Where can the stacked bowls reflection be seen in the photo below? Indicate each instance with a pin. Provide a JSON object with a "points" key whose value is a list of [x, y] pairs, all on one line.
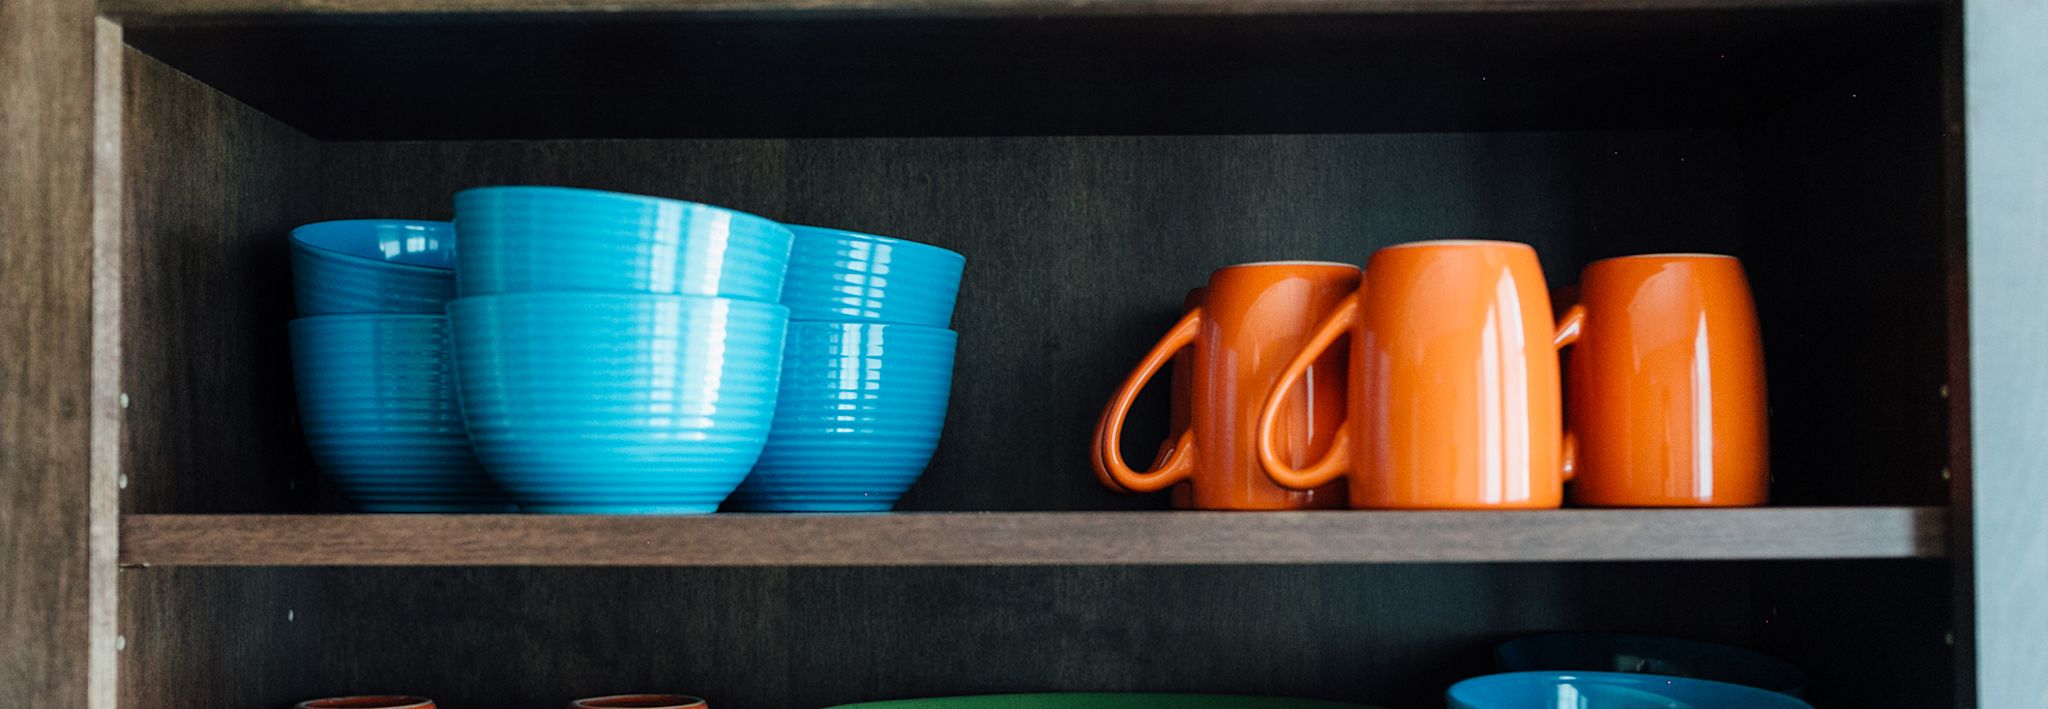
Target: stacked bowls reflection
{"points": [[373, 266], [867, 372], [617, 354], [561, 239], [857, 419], [377, 404], [837, 275]]}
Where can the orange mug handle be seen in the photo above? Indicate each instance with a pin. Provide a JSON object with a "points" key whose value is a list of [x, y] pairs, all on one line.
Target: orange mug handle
{"points": [[1171, 467], [1337, 460], [1569, 327]]}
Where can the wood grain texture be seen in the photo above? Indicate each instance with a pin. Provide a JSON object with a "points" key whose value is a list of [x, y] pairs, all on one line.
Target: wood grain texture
{"points": [[57, 593], [1080, 249], [214, 190], [795, 637], [623, 75], [158, 10], [907, 539], [2008, 245]]}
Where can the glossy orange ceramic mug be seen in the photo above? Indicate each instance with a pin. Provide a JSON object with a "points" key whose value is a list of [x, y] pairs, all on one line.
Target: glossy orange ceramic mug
{"points": [[1181, 382], [1667, 385], [1453, 388], [1251, 318]]}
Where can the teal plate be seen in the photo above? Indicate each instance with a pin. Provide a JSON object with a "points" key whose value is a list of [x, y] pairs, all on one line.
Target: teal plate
{"points": [[1105, 700]]}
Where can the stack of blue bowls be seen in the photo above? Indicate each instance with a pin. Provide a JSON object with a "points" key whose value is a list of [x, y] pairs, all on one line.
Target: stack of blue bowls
{"points": [[866, 373], [377, 397], [617, 354]]}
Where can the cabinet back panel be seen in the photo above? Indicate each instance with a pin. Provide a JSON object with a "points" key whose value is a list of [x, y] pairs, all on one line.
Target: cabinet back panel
{"points": [[808, 637]]}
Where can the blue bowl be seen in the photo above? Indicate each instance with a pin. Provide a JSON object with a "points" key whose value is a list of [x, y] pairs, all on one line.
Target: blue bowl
{"points": [[844, 275], [1609, 690], [549, 239], [857, 420], [377, 404], [616, 403], [1649, 654], [373, 266]]}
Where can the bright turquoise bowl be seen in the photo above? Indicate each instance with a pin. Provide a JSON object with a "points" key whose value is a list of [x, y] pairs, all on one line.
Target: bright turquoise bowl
{"points": [[373, 266], [1609, 690], [1104, 700], [857, 418], [844, 275], [377, 404], [1649, 654], [551, 239], [616, 403]]}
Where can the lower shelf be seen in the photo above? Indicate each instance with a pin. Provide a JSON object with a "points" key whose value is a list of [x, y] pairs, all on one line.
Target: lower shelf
{"points": [[1035, 538]]}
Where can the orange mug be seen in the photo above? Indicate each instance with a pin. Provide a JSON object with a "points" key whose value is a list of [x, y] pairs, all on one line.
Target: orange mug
{"points": [[1181, 380], [1667, 385], [1251, 317], [1453, 388]]}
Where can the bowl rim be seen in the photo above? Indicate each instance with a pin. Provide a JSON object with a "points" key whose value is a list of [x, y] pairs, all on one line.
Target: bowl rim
{"points": [[593, 193], [316, 249], [826, 232]]}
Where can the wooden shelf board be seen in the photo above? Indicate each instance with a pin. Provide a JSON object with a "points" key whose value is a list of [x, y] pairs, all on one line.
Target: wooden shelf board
{"points": [[1034, 538], [177, 9]]}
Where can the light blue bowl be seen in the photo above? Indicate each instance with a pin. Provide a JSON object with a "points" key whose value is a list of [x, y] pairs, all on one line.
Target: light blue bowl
{"points": [[1609, 690], [377, 404], [857, 420], [616, 403], [373, 266], [1649, 654], [551, 239], [844, 275]]}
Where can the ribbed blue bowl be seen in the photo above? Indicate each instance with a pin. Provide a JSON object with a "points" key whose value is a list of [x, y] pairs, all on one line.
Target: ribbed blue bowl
{"points": [[377, 404], [373, 266], [1608, 690], [1649, 654], [857, 419], [551, 239], [844, 275], [617, 403]]}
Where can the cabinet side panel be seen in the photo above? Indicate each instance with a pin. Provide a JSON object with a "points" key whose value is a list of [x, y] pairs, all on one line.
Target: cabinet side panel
{"points": [[54, 539], [214, 188], [2007, 114]]}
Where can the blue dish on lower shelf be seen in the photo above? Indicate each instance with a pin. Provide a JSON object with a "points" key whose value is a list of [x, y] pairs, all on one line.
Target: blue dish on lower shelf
{"points": [[614, 403], [1649, 654], [1609, 690], [857, 419], [377, 404]]}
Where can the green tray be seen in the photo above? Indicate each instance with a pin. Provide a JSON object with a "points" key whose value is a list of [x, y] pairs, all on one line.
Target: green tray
{"points": [[1104, 700]]}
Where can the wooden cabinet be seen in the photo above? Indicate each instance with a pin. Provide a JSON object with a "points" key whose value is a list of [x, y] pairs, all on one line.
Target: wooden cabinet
{"points": [[168, 543]]}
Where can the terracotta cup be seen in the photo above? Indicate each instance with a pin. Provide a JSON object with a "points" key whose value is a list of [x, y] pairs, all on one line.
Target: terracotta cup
{"points": [[1453, 388], [387, 701], [639, 701], [1252, 316], [1667, 385], [1182, 380]]}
